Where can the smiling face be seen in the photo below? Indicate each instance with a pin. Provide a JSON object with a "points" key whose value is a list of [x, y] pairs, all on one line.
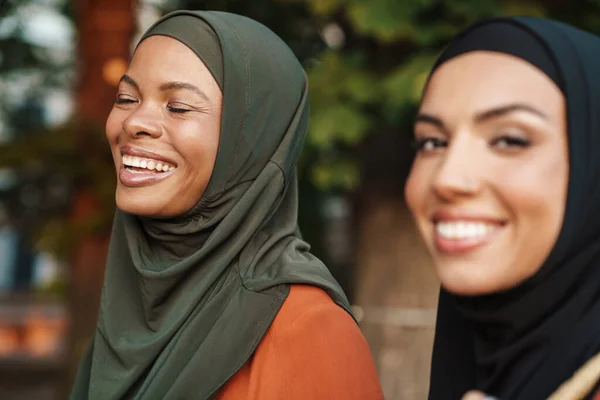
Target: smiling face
{"points": [[489, 184], [164, 129]]}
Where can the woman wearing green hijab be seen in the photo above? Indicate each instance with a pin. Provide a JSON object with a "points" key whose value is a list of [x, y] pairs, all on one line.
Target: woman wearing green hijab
{"points": [[210, 291]]}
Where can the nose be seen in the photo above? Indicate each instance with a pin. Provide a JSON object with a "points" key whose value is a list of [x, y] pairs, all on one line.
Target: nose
{"points": [[459, 170], [143, 123]]}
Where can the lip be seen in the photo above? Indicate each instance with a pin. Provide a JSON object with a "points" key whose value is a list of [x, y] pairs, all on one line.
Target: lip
{"points": [[459, 246], [463, 215], [462, 246], [143, 153], [143, 178]]}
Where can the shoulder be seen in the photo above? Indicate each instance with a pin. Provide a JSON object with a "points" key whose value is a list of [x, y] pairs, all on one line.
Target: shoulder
{"points": [[309, 317], [315, 349], [305, 306]]}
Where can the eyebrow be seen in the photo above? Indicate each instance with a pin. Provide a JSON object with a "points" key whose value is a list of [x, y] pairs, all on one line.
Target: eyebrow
{"points": [[484, 115], [168, 86], [507, 109], [183, 85], [127, 79]]}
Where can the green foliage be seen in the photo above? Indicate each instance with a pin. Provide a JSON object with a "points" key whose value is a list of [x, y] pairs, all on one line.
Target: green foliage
{"points": [[76, 152], [324, 7], [368, 82]]}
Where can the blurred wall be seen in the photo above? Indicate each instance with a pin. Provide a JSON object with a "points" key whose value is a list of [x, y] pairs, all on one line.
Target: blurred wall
{"points": [[396, 296]]}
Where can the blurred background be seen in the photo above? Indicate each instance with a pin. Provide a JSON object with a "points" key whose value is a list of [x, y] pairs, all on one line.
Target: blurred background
{"points": [[60, 62]]}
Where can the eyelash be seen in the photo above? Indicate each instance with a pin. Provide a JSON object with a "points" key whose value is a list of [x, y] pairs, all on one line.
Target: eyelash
{"points": [[123, 101], [176, 110], [511, 142], [420, 143]]}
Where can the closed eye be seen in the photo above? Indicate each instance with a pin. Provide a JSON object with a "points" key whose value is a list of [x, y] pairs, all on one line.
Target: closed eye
{"points": [[178, 110], [124, 100]]}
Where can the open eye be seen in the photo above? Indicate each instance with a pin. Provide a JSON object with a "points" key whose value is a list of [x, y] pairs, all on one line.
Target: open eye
{"points": [[429, 144], [510, 142]]}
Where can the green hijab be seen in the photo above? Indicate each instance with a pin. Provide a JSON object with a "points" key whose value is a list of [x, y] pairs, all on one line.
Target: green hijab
{"points": [[186, 301]]}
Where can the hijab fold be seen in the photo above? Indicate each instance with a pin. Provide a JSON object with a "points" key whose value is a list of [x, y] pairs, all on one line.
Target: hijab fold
{"points": [[186, 301], [524, 342]]}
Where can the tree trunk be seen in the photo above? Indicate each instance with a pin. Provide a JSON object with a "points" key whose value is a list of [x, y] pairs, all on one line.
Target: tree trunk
{"points": [[106, 28]]}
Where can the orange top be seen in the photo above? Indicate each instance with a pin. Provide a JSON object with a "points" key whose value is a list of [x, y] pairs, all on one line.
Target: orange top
{"points": [[313, 350]]}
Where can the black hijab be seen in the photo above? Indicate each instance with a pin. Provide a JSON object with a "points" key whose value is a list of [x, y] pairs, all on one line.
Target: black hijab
{"points": [[524, 342]]}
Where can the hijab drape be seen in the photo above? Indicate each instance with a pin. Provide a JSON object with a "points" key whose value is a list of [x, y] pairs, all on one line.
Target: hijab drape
{"points": [[186, 301], [523, 343]]}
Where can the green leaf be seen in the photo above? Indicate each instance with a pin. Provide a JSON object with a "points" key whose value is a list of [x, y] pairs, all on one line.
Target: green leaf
{"points": [[362, 87], [326, 78], [405, 84], [336, 174], [386, 20], [340, 122], [531, 10], [325, 7]]}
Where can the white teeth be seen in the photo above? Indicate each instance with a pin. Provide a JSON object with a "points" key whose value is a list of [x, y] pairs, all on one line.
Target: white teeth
{"points": [[132, 161], [463, 229]]}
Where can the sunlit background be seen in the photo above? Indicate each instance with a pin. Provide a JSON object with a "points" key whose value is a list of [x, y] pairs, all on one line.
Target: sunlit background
{"points": [[60, 62]]}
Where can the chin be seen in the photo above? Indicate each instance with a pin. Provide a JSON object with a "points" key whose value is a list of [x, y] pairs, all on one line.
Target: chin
{"points": [[140, 206], [466, 288], [461, 280]]}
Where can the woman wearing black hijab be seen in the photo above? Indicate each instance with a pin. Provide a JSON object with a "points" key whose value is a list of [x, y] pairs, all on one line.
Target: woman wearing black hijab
{"points": [[210, 291], [504, 190]]}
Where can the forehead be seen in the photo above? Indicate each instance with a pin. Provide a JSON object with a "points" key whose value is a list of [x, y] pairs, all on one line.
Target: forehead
{"points": [[482, 80], [167, 56]]}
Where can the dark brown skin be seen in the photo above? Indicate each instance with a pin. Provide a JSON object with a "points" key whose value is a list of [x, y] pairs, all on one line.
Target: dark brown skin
{"points": [[180, 122]]}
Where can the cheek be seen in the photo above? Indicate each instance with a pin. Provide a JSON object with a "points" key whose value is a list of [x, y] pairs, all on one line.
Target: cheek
{"points": [[536, 197], [113, 127], [537, 189], [198, 144], [416, 188], [197, 147]]}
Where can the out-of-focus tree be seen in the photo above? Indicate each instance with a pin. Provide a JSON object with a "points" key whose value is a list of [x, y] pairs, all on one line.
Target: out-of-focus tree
{"points": [[77, 229], [106, 28], [36, 57]]}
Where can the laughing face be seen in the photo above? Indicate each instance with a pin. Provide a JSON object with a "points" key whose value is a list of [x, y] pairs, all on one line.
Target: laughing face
{"points": [[489, 184], [164, 129]]}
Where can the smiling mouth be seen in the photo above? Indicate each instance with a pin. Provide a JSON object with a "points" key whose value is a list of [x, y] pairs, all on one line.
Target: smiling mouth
{"points": [[138, 172], [461, 236], [457, 230], [143, 165]]}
